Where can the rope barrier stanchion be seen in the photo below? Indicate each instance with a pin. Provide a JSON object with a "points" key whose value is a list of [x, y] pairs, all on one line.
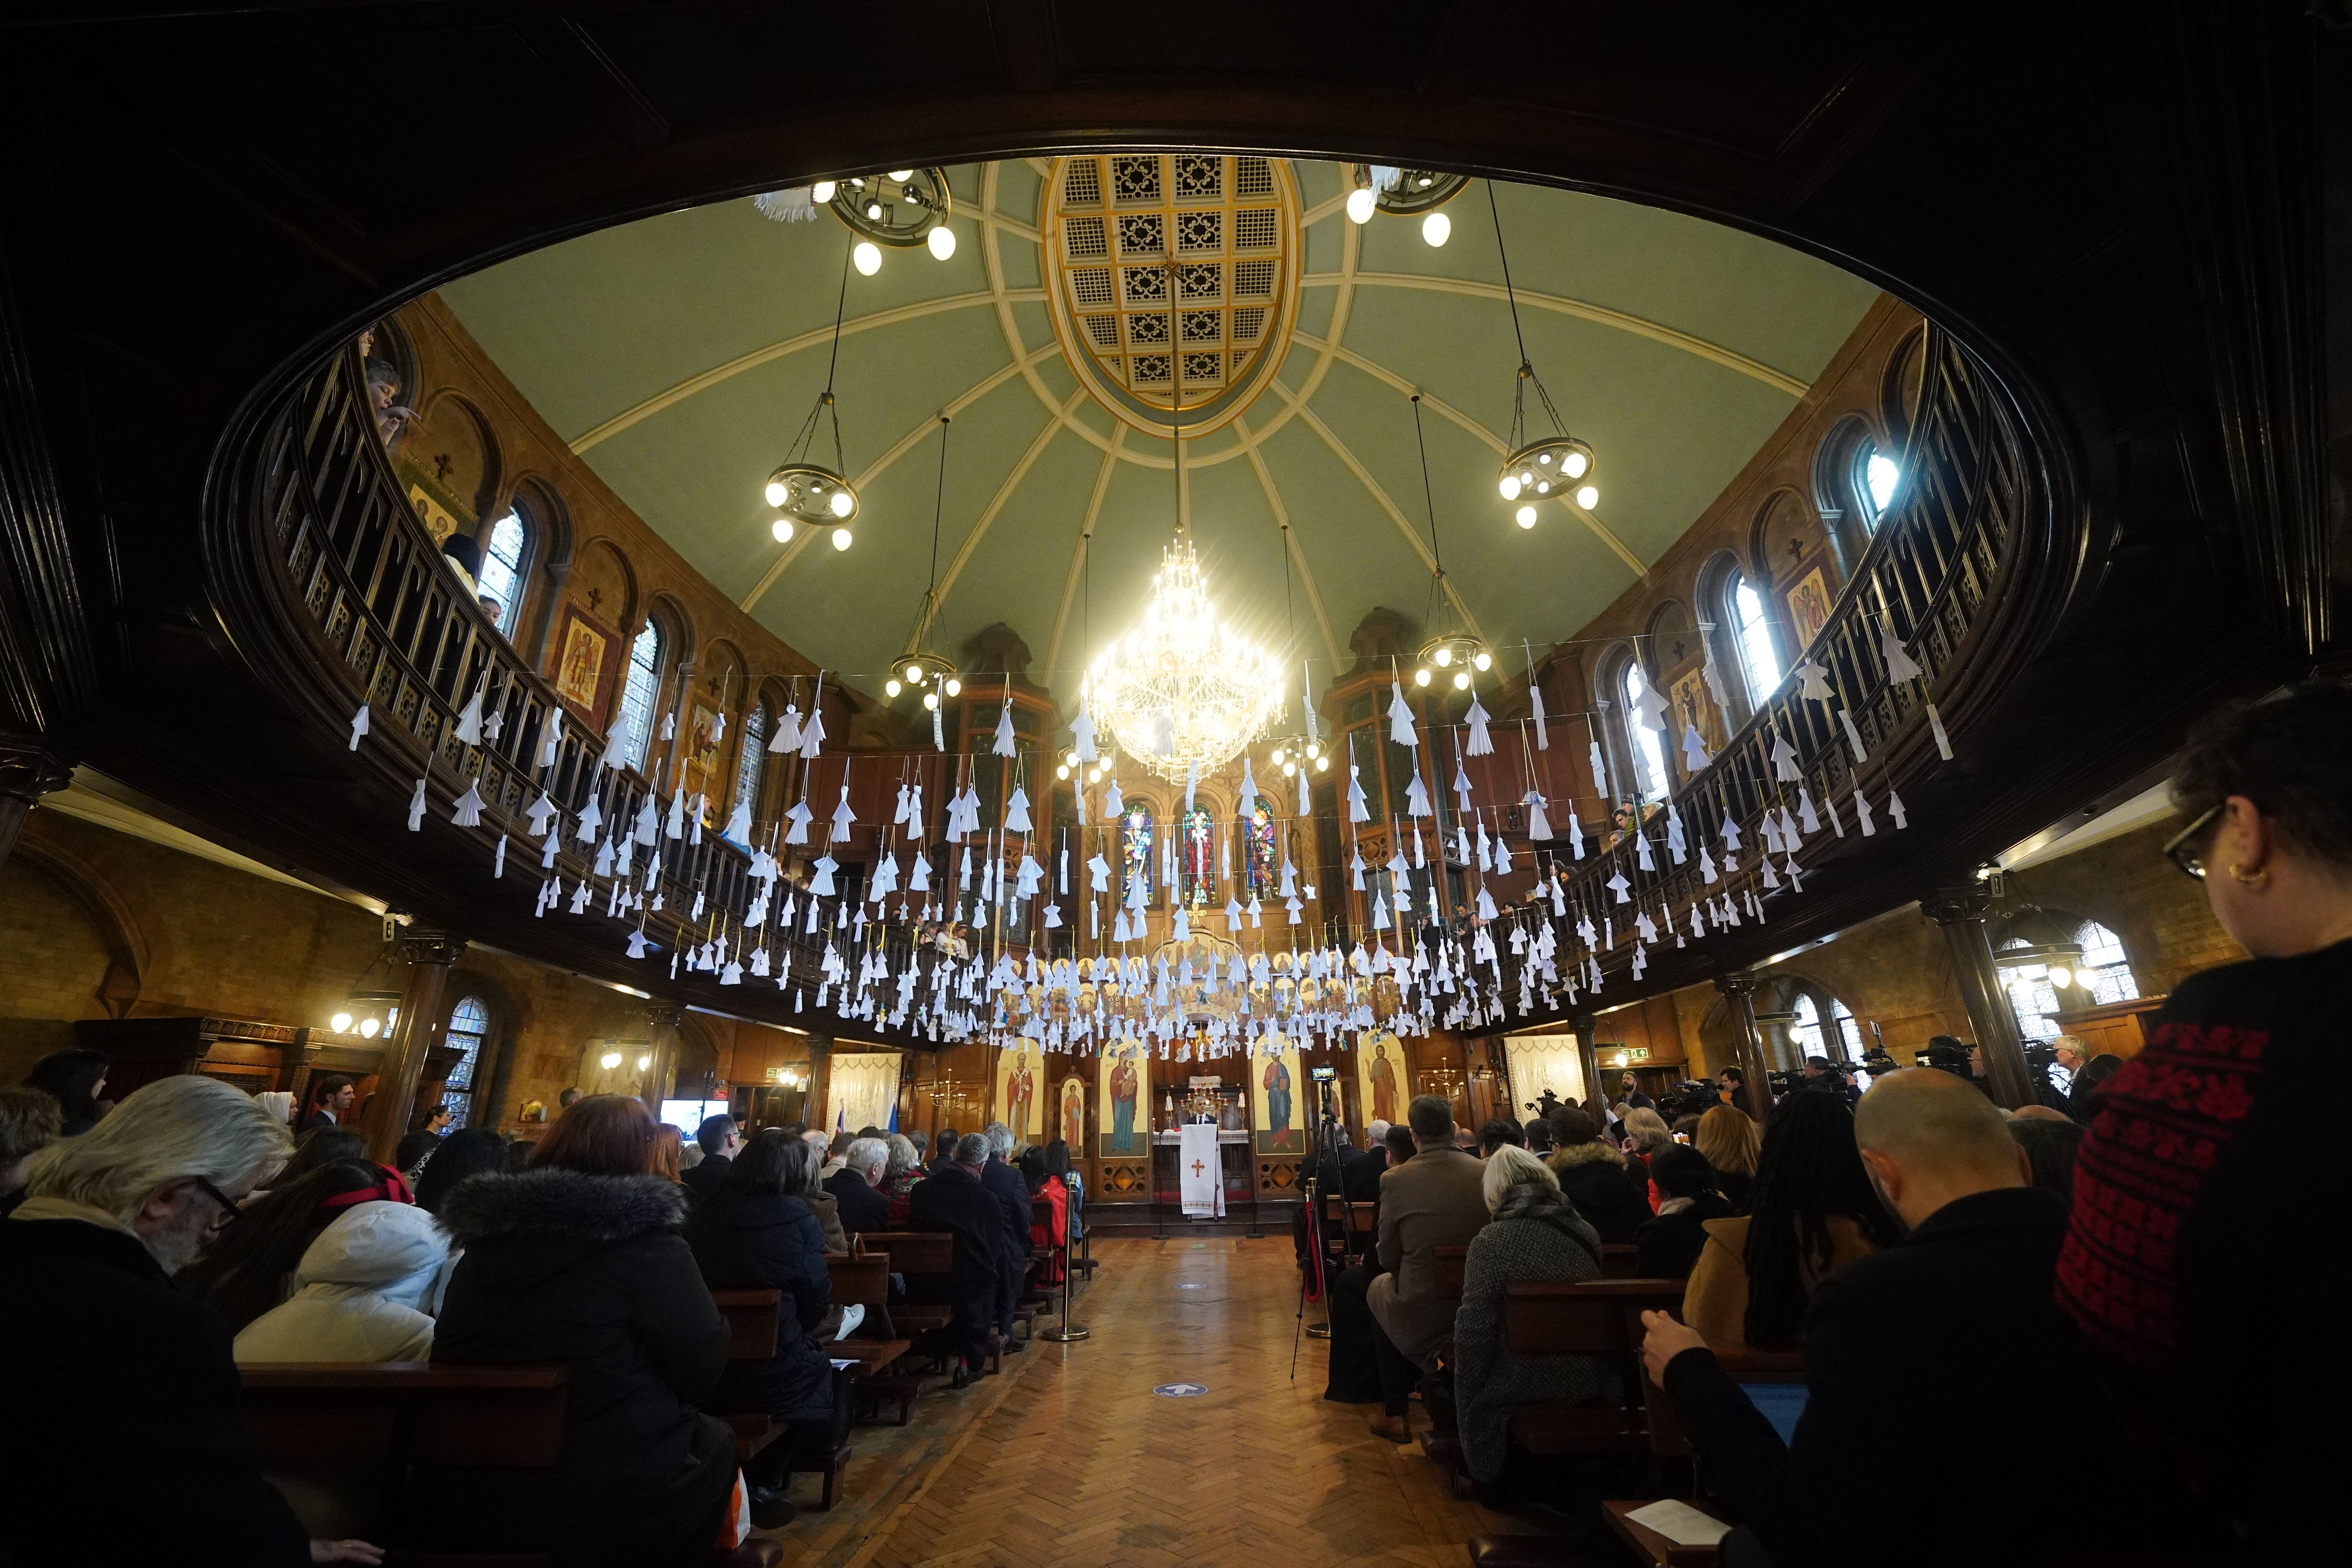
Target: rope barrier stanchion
{"points": [[1066, 1333]]}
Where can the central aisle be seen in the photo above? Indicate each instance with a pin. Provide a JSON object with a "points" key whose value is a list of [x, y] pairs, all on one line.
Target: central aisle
{"points": [[1080, 1463]]}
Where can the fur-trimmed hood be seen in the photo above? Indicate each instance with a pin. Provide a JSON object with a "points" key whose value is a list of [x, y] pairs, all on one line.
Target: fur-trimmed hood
{"points": [[553, 1201], [1571, 1155]]}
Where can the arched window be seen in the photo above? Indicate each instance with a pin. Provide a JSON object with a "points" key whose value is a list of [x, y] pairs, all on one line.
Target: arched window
{"points": [[1759, 661], [1805, 1029], [643, 688], [1876, 477], [1260, 861], [751, 762], [1849, 1031], [502, 561], [1641, 741], [1135, 849], [1198, 871], [2105, 971], [470, 1026]]}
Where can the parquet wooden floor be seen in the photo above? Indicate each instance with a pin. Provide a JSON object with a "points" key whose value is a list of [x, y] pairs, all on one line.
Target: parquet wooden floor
{"points": [[1068, 1459]]}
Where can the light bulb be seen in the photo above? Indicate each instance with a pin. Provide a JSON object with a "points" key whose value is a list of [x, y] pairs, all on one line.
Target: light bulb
{"points": [[1436, 227], [842, 504], [340, 1023], [1461, 681], [609, 1060], [931, 701], [822, 192], [902, 175], [1483, 661], [1421, 676], [1288, 769], [1322, 765], [643, 1062], [1526, 516], [1277, 754], [914, 674], [1314, 750], [892, 686], [1574, 464], [1443, 657], [368, 1028], [840, 539], [1094, 775], [1543, 486], [868, 257], [782, 529], [1510, 487], [874, 210], [1061, 771], [942, 239], [1360, 203], [1587, 497], [776, 492], [1544, 459], [2061, 977], [954, 686], [1527, 477]]}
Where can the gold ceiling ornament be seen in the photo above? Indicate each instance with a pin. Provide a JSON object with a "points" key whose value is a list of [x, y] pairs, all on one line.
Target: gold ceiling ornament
{"points": [[1172, 279], [1557, 467]]}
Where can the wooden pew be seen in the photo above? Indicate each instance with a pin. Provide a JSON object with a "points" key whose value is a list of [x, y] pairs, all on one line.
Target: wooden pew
{"points": [[1618, 1260], [349, 1443], [866, 1281], [915, 1255], [754, 1318]]}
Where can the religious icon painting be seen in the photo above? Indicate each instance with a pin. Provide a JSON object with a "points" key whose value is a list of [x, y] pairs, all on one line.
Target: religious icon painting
{"points": [[1688, 699], [1124, 1115], [1279, 1099], [1071, 1128], [1384, 1078], [1018, 1077], [1808, 607], [580, 662]]}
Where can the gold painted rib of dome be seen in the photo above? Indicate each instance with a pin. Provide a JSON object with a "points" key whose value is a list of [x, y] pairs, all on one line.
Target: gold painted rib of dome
{"points": [[1125, 231]]}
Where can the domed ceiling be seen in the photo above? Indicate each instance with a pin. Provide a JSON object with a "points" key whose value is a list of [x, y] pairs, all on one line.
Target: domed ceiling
{"points": [[680, 354]]}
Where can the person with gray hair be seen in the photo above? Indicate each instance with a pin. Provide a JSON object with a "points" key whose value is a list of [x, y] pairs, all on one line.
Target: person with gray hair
{"points": [[122, 1365], [1972, 1276], [1011, 1195], [855, 1188]]}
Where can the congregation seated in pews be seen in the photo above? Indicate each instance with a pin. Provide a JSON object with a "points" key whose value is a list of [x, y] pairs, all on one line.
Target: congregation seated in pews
{"points": [[583, 1355]]}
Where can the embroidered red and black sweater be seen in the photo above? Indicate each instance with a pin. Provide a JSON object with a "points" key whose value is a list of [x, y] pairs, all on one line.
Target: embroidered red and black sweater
{"points": [[2208, 1218]]}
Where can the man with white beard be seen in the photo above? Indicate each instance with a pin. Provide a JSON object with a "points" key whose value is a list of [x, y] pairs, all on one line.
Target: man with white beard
{"points": [[126, 1442]]}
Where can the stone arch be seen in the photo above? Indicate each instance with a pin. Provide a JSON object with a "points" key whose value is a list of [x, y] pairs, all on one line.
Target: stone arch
{"points": [[1900, 382], [444, 416], [606, 583], [110, 915]]}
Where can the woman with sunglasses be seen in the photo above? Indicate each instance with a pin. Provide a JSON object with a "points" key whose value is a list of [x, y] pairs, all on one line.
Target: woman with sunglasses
{"points": [[2184, 1270]]}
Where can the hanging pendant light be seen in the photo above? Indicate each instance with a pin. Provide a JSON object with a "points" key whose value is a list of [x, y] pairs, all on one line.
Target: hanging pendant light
{"points": [[917, 669], [807, 494], [1454, 657], [1555, 466]]}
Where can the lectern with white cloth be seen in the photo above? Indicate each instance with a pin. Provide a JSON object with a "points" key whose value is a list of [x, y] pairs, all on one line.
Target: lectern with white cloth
{"points": [[1200, 1171]]}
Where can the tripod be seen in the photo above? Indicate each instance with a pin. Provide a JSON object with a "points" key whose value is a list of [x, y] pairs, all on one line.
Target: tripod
{"points": [[1331, 1138]]}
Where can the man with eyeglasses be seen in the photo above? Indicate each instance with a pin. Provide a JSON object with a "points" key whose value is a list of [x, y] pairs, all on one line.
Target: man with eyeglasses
{"points": [[127, 1446]]}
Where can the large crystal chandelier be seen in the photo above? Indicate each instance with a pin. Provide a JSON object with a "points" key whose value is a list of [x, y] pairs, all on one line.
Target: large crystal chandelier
{"points": [[1182, 689]]}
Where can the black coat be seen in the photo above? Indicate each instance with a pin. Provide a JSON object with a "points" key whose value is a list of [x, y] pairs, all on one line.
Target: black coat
{"points": [[123, 1442], [1670, 1243], [1920, 1360], [1612, 1199], [1359, 1180], [591, 1271], [953, 1200], [767, 1241], [708, 1175], [862, 1208], [1011, 1195]]}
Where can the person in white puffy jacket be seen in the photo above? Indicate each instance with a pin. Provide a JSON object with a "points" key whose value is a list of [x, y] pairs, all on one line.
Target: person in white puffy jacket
{"points": [[365, 1290]]}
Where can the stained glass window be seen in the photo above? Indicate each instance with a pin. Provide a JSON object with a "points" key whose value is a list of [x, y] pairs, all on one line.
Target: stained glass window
{"points": [[501, 576], [1848, 1029], [2105, 971], [1136, 847], [1759, 662], [1200, 868], [469, 1025], [1263, 863]]}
